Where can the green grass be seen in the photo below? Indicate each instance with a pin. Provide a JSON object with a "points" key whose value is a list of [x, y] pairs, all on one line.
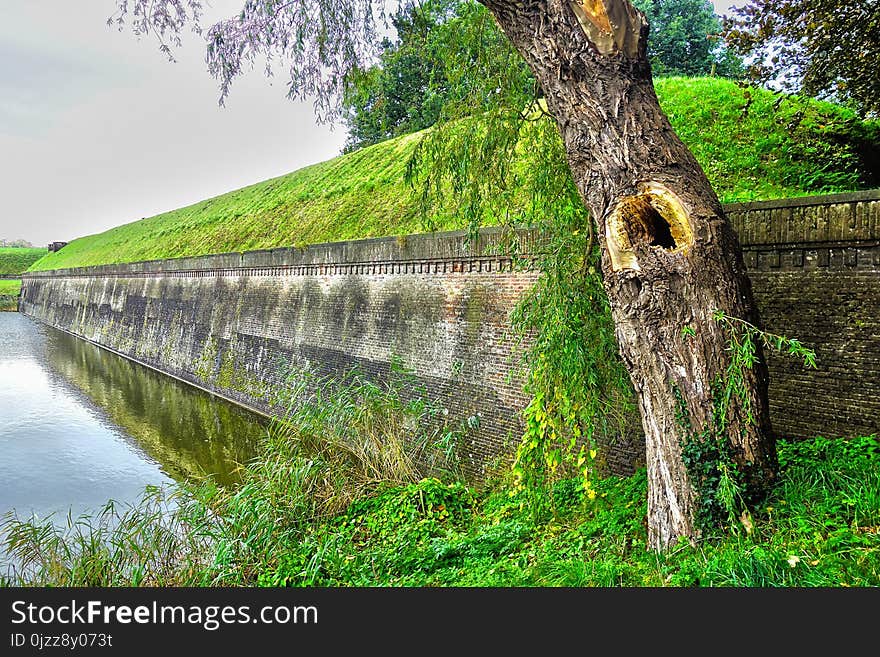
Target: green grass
{"points": [[337, 499], [15, 260], [10, 288], [821, 527], [762, 154], [9, 292]]}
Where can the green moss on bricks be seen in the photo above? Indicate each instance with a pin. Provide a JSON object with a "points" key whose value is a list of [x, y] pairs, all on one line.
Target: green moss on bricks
{"points": [[204, 366], [226, 372], [248, 385], [233, 378]]}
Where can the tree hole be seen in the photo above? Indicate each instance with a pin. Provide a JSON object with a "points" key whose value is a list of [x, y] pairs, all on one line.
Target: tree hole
{"points": [[661, 230], [653, 217]]}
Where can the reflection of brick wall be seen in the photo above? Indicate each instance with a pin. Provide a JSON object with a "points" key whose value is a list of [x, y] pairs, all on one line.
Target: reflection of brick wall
{"points": [[228, 322], [814, 263]]}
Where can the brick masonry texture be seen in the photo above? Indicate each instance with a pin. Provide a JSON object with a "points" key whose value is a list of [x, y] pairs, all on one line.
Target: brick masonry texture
{"points": [[814, 263], [237, 324]]}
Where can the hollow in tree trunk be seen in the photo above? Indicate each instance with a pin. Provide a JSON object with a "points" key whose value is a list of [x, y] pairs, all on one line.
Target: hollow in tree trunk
{"points": [[669, 257]]}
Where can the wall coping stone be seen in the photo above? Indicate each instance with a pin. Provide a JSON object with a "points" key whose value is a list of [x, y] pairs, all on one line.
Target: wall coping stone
{"points": [[421, 247], [801, 201]]}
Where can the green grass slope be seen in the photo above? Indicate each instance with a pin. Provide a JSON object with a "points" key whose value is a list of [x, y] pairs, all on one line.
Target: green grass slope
{"points": [[15, 260], [803, 147]]}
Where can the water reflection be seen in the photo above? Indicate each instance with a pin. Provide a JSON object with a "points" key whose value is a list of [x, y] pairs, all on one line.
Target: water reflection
{"points": [[189, 432], [79, 425]]}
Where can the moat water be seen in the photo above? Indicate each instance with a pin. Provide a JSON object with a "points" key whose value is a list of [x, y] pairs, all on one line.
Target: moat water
{"points": [[80, 426]]}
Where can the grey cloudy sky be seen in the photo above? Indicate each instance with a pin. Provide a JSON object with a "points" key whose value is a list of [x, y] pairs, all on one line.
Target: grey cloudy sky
{"points": [[98, 129]]}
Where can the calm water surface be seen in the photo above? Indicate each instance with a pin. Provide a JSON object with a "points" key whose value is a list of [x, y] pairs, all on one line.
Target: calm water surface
{"points": [[80, 426]]}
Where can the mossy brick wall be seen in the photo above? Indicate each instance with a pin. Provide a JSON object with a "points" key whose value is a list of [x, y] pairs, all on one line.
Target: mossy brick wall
{"points": [[239, 324], [814, 263], [236, 323]]}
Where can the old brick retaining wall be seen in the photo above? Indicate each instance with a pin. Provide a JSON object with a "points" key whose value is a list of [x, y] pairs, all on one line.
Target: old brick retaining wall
{"points": [[814, 263], [236, 323]]}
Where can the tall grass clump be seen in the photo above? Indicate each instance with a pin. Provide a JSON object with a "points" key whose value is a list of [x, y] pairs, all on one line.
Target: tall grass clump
{"points": [[338, 442], [362, 433], [166, 538]]}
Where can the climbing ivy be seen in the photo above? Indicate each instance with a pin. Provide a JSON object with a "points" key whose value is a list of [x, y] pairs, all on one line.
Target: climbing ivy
{"points": [[707, 455]]}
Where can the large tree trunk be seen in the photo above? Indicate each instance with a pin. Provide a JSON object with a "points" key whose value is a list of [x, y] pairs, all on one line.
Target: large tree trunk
{"points": [[669, 257]]}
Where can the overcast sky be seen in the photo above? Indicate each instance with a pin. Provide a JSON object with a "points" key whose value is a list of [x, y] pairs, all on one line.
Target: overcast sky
{"points": [[98, 129]]}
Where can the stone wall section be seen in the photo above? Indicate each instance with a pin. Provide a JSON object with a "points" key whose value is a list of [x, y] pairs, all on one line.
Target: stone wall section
{"points": [[239, 324], [814, 263]]}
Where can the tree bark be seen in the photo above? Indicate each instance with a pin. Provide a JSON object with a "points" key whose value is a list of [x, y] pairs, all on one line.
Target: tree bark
{"points": [[669, 257]]}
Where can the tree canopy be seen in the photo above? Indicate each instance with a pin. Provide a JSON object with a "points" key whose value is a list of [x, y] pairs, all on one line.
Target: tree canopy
{"points": [[685, 39], [824, 48], [405, 91]]}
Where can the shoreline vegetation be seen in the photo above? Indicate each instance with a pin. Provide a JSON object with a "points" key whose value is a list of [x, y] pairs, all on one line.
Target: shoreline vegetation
{"points": [[356, 487], [14, 260], [10, 289]]}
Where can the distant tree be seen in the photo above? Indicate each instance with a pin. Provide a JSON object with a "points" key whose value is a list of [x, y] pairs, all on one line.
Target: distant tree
{"points": [[685, 39], [823, 48], [406, 89], [24, 244], [422, 71]]}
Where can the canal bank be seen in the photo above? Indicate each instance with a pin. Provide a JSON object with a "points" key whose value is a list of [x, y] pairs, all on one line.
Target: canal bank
{"points": [[10, 289]]}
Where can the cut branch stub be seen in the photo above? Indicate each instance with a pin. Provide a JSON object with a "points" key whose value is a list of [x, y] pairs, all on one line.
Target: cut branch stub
{"points": [[611, 25], [655, 217]]}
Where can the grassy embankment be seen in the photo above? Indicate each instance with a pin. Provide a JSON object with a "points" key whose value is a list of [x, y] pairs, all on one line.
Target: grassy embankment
{"points": [[10, 287], [14, 261], [764, 154]]}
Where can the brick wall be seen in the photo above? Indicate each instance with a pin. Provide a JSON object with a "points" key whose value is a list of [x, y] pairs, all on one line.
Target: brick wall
{"points": [[814, 263], [236, 323]]}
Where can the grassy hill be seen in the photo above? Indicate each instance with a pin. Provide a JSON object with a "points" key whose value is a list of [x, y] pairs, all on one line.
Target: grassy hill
{"points": [[15, 260], [800, 148]]}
